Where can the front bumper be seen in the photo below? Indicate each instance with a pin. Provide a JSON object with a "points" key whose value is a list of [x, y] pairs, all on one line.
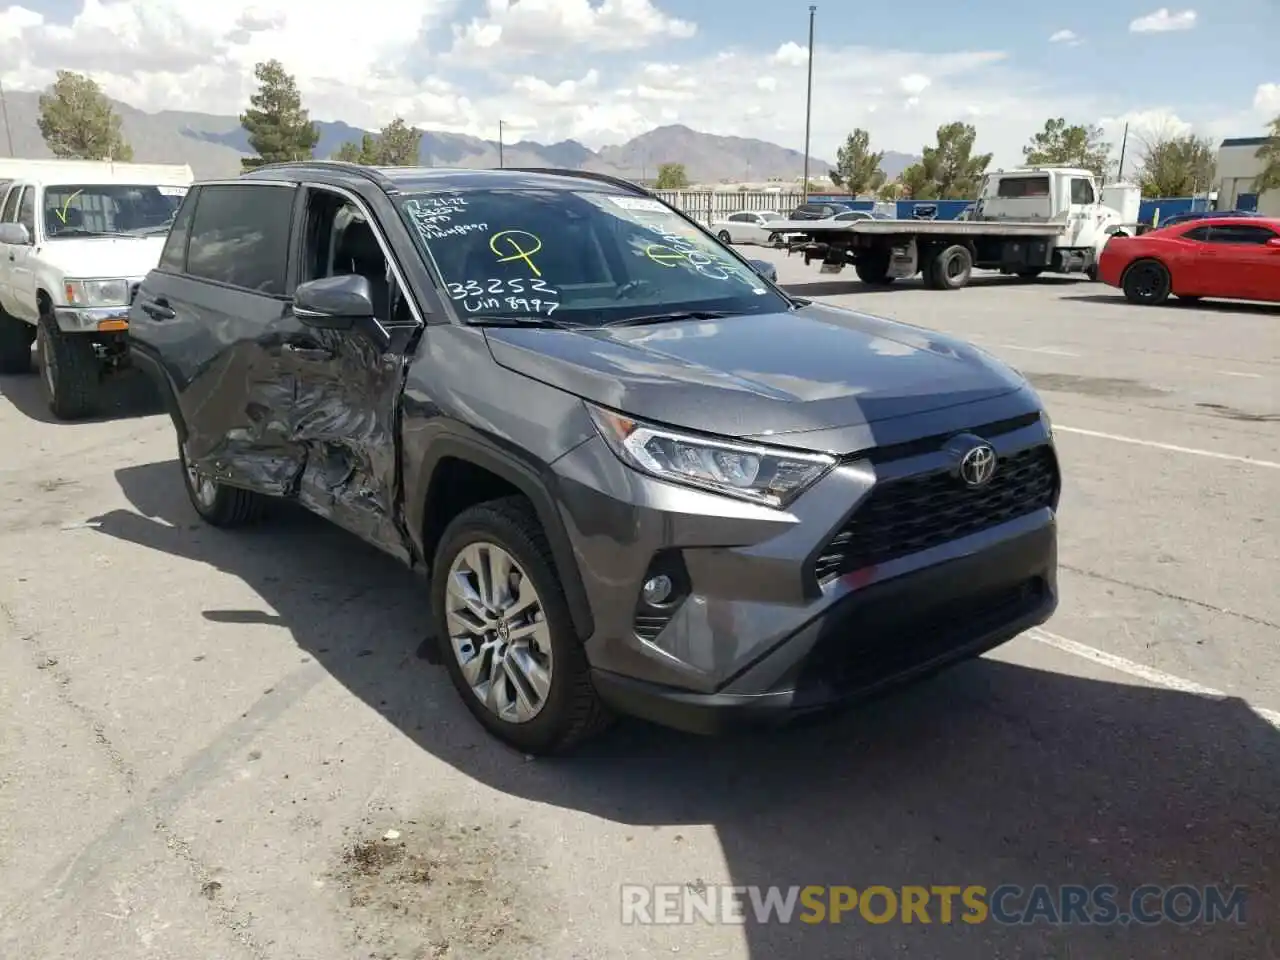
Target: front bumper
{"points": [[92, 319], [871, 640]]}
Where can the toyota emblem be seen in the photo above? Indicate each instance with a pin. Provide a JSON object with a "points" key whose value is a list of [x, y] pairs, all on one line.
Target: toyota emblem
{"points": [[978, 465]]}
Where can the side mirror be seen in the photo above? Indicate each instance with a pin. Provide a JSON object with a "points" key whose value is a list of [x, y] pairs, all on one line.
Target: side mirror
{"points": [[333, 303], [15, 233], [765, 269]]}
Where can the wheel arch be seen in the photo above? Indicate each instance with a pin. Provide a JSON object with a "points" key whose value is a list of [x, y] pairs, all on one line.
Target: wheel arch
{"points": [[427, 522]]}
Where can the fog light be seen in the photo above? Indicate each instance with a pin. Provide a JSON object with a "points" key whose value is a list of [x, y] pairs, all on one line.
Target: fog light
{"points": [[657, 590]]}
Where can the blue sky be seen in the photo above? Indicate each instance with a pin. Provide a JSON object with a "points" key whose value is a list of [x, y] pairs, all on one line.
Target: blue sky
{"points": [[601, 71]]}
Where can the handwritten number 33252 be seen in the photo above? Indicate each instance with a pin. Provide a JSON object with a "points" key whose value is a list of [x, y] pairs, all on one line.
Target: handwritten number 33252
{"points": [[474, 288]]}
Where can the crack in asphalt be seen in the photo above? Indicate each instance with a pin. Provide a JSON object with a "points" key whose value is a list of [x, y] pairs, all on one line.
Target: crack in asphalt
{"points": [[1093, 575]]}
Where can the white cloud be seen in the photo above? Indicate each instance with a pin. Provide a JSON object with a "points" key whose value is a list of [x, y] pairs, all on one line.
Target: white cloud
{"points": [[1067, 37], [914, 84], [791, 54], [769, 84], [1162, 21], [1266, 99], [547, 26], [566, 91]]}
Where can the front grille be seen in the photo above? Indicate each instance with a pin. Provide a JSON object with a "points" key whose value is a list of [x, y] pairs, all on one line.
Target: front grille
{"points": [[904, 516]]}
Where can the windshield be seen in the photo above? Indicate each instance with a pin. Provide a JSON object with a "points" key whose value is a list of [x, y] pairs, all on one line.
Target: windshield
{"points": [[86, 210], [578, 257]]}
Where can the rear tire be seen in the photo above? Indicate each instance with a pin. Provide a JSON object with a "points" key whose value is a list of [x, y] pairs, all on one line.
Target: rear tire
{"points": [[1147, 283], [16, 338], [69, 370], [1030, 274], [217, 504], [568, 711], [873, 271], [952, 268]]}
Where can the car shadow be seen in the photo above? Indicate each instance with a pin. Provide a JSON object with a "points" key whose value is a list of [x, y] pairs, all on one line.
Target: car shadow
{"points": [[124, 396], [832, 288], [1216, 306], [990, 774]]}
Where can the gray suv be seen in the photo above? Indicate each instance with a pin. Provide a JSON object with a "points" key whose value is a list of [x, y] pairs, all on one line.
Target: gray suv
{"points": [[640, 477]]}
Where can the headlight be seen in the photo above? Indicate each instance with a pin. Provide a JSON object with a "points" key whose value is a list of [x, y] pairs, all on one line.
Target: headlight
{"points": [[97, 293], [764, 475]]}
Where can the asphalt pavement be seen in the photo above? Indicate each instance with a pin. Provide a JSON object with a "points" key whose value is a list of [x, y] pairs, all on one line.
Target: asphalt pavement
{"points": [[226, 745]]}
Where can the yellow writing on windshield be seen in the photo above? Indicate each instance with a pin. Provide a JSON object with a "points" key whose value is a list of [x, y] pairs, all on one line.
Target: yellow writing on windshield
{"points": [[518, 245], [62, 213], [664, 256]]}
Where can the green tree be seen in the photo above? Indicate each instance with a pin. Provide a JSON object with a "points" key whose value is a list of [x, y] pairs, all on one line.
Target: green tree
{"points": [[77, 121], [1175, 166], [1077, 146], [279, 128], [399, 144], [365, 152], [857, 168], [1269, 154], [671, 176], [950, 170]]}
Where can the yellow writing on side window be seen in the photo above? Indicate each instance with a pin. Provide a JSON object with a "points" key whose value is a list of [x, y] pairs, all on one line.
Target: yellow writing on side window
{"points": [[518, 245]]}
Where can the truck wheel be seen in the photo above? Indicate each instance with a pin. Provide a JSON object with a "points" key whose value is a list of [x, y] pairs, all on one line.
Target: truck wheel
{"points": [[1030, 273], [69, 370], [218, 504], [952, 268], [505, 632], [15, 344], [873, 271], [1147, 283]]}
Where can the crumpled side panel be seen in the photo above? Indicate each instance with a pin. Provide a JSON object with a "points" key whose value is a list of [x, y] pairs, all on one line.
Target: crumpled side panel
{"points": [[341, 432]]}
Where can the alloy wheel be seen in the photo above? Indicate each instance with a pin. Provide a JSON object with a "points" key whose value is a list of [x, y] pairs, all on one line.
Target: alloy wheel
{"points": [[498, 632]]}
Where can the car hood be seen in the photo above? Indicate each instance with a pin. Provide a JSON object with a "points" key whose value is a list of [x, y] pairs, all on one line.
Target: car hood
{"points": [[812, 368], [104, 257]]}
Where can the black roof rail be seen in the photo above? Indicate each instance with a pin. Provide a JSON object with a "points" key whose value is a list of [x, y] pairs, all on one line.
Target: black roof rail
{"points": [[368, 173], [585, 175]]}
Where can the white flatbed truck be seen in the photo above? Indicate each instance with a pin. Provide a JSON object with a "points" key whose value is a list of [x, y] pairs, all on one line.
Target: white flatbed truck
{"points": [[1025, 222]]}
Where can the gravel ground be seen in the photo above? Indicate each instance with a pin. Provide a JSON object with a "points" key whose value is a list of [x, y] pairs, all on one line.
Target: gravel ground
{"points": [[225, 745]]}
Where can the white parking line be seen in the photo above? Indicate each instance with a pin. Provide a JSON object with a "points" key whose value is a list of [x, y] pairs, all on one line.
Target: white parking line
{"points": [[1052, 351], [1173, 448], [1151, 675], [1237, 373]]}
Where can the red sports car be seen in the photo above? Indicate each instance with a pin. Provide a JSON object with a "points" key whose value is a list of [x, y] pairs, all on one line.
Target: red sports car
{"points": [[1215, 257]]}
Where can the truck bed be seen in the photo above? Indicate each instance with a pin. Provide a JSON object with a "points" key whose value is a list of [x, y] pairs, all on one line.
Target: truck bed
{"points": [[954, 228]]}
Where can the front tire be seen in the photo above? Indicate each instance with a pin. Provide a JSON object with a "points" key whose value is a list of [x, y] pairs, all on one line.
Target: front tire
{"points": [[506, 634], [70, 370], [724, 237], [1147, 283], [217, 504]]}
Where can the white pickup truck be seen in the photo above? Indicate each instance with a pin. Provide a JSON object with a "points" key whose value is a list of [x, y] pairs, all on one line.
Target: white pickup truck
{"points": [[76, 238], [1025, 222]]}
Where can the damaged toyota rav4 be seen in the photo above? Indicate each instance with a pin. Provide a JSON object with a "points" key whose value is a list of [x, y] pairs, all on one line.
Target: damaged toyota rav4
{"points": [[640, 477]]}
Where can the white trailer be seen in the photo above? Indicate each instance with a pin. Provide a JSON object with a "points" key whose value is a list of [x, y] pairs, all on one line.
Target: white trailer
{"points": [[1025, 222]]}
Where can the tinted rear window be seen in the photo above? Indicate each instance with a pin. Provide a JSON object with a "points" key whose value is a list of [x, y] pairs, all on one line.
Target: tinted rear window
{"points": [[1014, 188]]}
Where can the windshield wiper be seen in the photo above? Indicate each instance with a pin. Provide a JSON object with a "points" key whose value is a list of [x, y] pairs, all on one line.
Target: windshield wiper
{"points": [[545, 323], [673, 316], [78, 232]]}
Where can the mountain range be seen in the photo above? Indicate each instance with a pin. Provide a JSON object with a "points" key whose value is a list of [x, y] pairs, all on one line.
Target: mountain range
{"points": [[214, 145]]}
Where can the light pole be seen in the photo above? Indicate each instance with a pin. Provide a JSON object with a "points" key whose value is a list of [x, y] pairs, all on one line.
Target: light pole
{"points": [[4, 106], [499, 143], [808, 104]]}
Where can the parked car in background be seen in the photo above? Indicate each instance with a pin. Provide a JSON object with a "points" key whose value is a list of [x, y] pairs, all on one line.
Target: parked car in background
{"points": [[861, 215], [745, 226], [1177, 218], [817, 210], [639, 477], [1223, 256], [76, 238]]}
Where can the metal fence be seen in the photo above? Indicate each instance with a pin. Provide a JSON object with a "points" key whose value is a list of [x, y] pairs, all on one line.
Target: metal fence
{"points": [[708, 206]]}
